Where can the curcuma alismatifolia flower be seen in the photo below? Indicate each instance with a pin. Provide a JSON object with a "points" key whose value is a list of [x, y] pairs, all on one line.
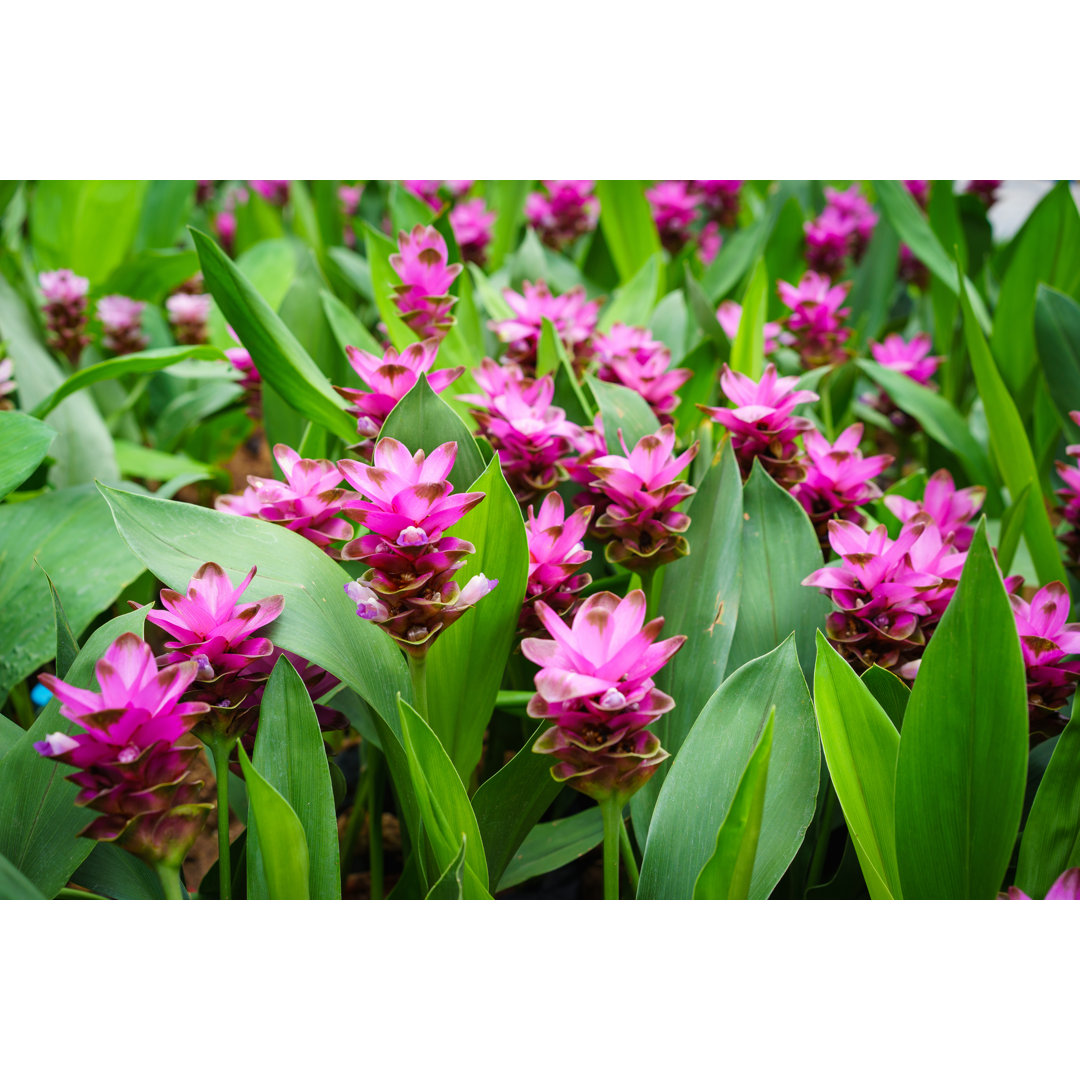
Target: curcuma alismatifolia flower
{"points": [[532, 437], [986, 191], [556, 552], [273, 191], [567, 210], [390, 378], [1067, 887], [211, 626], [130, 768], [1070, 499], [426, 191], [65, 311], [471, 222], [595, 684], [674, 208], [639, 520], [815, 322], [1046, 639], [188, 313], [121, 319], [851, 206], [838, 479], [761, 423], [406, 503], [423, 297], [911, 358], [308, 501], [950, 510], [631, 357], [719, 199], [830, 239], [572, 316]]}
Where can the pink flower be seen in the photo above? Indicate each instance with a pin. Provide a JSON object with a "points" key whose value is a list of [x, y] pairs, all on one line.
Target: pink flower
{"points": [[131, 769], [391, 377], [720, 199], [225, 227], [471, 222], [595, 684], [63, 287], [983, 190], [761, 423], [7, 383], [567, 210], [674, 207], [458, 188], [188, 313], [556, 552], [709, 242], [632, 357], [65, 311], [815, 319], [910, 358], [273, 191], [425, 190], [349, 196], [423, 297], [830, 239], [121, 319], [1067, 887], [850, 205], [1070, 498], [643, 489], [950, 510], [729, 315], [920, 191], [240, 359], [573, 317]]}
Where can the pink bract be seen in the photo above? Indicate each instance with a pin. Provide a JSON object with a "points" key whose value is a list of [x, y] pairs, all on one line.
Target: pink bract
{"points": [[556, 552], [674, 208], [569, 209], [632, 357], [471, 222], [911, 358], [423, 297], [949, 509], [571, 314]]}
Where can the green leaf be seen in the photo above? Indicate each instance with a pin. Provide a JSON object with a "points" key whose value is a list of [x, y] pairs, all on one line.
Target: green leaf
{"points": [[281, 840], [861, 748], [748, 349], [704, 314], [465, 665], [779, 550], [1057, 332], [553, 844], [148, 464], [494, 304], [669, 322], [627, 224], [165, 210], [152, 275], [38, 816], [15, 885], [353, 270], [67, 648], [1012, 449], [963, 754], [704, 778], [889, 691], [875, 280], [727, 874], [1012, 528], [347, 328], [115, 873], [451, 886], [270, 267], [69, 534], [741, 251], [507, 199], [280, 358], [407, 211], [1051, 841], [444, 807], [634, 302], [511, 802], [291, 755], [24, 442], [623, 410]]}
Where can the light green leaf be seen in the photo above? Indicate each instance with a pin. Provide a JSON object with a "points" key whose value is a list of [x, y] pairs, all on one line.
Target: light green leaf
{"points": [[623, 410], [24, 443], [451, 886], [748, 349], [634, 302], [627, 224]]}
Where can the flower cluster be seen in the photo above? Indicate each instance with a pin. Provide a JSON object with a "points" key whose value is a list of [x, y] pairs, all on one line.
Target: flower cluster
{"points": [[815, 322], [595, 684], [130, 767], [566, 210], [642, 489], [407, 505], [572, 316], [121, 319], [950, 510], [674, 207], [273, 191], [1070, 499], [556, 552], [719, 200], [531, 436], [761, 423], [471, 222], [307, 502], [632, 357], [188, 313], [65, 311], [423, 297], [911, 358]]}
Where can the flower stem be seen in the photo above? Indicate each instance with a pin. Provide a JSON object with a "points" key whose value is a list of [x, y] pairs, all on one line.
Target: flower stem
{"points": [[221, 747], [356, 819], [611, 808], [628, 854], [648, 587], [170, 881], [374, 809], [821, 845], [418, 672]]}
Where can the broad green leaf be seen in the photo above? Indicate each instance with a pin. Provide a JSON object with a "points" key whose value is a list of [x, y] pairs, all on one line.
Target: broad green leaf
{"points": [[465, 665], [383, 279], [15, 885], [1057, 332], [291, 755], [444, 807], [281, 838], [889, 691], [779, 550], [270, 267], [875, 280], [407, 211], [152, 275], [69, 534], [24, 442], [550, 352], [668, 323], [1012, 450], [785, 253], [748, 349], [115, 873], [507, 199], [148, 464], [861, 747], [627, 224], [451, 886], [552, 358], [303, 313], [165, 210], [348, 329], [353, 270], [494, 303], [511, 802], [701, 388], [38, 816], [727, 874], [553, 844], [67, 647], [623, 410], [634, 302], [701, 785], [963, 754], [1051, 842], [280, 358]]}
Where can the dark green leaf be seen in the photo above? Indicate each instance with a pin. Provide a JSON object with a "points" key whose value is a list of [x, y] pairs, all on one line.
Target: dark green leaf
{"points": [[67, 648], [383, 279], [152, 275], [1012, 528], [451, 886], [115, 873], [627, 224], [1057, 332], [623, 410], [507, 199], [875, 280], [24, 442], [165, 211], [15, 885], [554, 844], [348, 329], [890, 692]]}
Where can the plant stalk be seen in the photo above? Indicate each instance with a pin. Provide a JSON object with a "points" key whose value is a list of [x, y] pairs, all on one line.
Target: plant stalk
{"points": [[611, 808], [170, 881], [821, 844], [374, 809], [221, 747], [356, 819], [418, 673], [628, 854]]}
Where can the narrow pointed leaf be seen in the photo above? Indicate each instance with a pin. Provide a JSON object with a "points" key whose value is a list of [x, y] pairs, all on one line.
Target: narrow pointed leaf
{"points": [[634, 302], [451, 886], [553, 844], [748, 349], [67, 648], [627, 224]]}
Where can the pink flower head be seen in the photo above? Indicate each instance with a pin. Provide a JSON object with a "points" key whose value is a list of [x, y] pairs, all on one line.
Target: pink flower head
{"points": [[349, 196], [1046, 640], [471, 222], [7, 383], [729, 315], [912, 270], [308, 502], [595, 684], [986, 191], [838, 478], [63, 286], [121, 319], [1070, 498], [919, 191], [911, 358], [950, 510], [225, 227], [65, 311], [709, 242], [573, 317], [556, 552], [830, 239], [240, 359], [532, 437], [850, 205], [130, 769], [816, 317], [674, 207], [643, 489], [425, 190], [761, 423], [569, 209], [720, 198], [423, 297], [273, 191], [632, 357], [188, 313], [391, 377], [458, 189], [1067, 887]]}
